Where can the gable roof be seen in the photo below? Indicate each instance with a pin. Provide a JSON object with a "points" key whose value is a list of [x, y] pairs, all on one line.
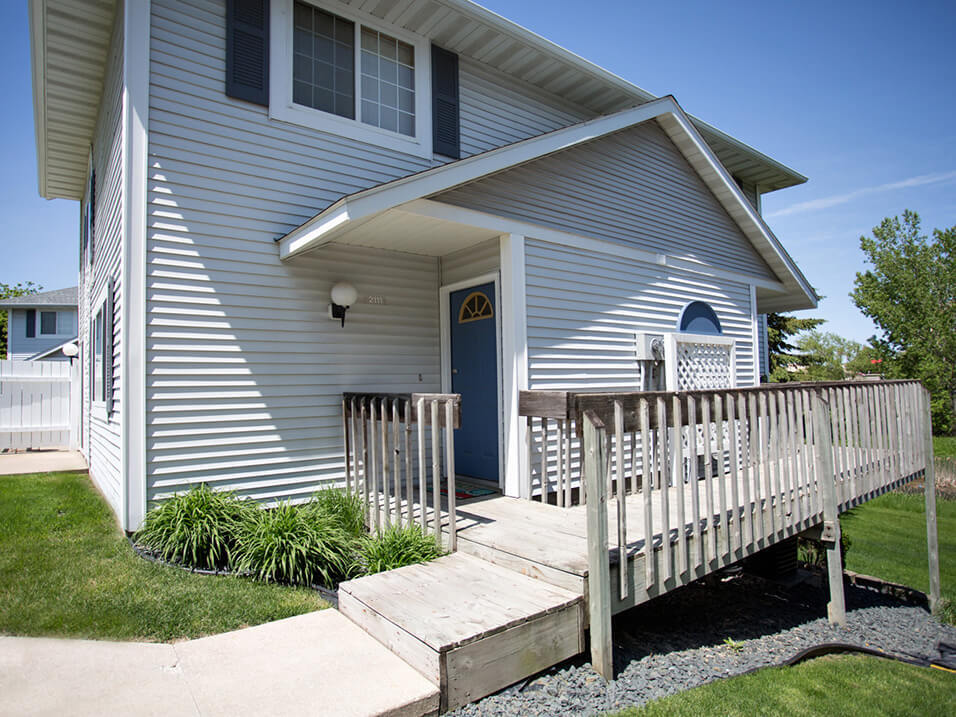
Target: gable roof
{"points": [[70, 41], [46, 353], [354, 209], [59, 297]]}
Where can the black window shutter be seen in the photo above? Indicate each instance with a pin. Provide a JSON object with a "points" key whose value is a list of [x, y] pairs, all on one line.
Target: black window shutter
{"points": [[91, 215], [247, 50], [31, 323], [108, 348], [445, 130]]}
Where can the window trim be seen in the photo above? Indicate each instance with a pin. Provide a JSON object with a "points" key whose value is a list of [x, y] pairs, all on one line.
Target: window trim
{"points": [[281, 106], [98, 404]]}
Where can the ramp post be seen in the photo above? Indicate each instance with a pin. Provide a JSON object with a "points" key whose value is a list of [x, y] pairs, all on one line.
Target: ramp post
{"points": [[599, 570], [929, 490], [826, 482]]}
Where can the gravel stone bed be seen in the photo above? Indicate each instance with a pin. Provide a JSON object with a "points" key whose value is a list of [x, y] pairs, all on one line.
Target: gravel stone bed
{"points": [[676, 642]]}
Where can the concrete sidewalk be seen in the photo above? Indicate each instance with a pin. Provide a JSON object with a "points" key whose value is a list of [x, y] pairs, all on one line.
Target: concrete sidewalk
{"points": [[315, 664], [41, 462]]}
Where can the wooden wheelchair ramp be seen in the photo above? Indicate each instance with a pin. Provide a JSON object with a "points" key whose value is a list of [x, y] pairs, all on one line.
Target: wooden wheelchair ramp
{"points": [[469, 626]]}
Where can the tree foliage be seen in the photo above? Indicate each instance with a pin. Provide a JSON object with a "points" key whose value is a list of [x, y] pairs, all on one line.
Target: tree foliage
{"points": [[909, 290], [780, 329], [825, 354], [9, 291]]}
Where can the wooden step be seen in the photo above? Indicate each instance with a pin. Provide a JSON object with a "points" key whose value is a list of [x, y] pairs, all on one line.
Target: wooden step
{"points": [[470, 627]]}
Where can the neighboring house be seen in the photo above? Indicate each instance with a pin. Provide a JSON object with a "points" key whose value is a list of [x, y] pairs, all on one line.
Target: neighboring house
{"points": [[489, 196], [40, 325]]}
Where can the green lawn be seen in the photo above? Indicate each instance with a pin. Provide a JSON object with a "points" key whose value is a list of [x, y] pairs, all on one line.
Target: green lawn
{"points": [[944, 446], [837, 685], [67, 570], [888, 540]]}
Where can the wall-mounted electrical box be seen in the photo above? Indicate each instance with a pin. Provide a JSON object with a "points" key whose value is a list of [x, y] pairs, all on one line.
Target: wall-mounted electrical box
{"points": [[650, 347]]}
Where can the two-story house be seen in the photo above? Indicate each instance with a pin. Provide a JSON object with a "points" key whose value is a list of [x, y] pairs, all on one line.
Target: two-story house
{"points": [[40, 325], [495, 212]]}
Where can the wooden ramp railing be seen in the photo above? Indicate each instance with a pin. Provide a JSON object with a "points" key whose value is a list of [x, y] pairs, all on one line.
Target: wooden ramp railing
{"points": [[716, 476], [394, 444]]}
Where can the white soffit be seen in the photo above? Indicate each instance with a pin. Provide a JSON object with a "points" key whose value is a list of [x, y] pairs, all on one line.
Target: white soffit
{"points": [[476, 32], [69, 43]]}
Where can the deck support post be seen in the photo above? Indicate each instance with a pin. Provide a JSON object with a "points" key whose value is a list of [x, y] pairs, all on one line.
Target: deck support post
{"points": [[599, 571], [826, 481], [929, 491]]}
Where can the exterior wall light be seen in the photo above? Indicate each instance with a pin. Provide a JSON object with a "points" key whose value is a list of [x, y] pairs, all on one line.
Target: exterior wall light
{"points": [[343, 296]]}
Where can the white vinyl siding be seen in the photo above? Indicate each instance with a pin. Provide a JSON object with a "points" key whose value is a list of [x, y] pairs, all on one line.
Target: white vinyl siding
{"points": [[101, 439], [584, 309], [245, 370], [496, 109], [469, 263], [633, 187]]}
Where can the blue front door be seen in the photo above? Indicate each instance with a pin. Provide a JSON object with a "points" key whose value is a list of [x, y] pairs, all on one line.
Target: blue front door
{"points": [[474, 374]]}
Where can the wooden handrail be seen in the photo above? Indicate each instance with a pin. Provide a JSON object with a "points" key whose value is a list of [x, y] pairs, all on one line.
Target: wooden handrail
{"points": [[387, 458], [719, 475]]}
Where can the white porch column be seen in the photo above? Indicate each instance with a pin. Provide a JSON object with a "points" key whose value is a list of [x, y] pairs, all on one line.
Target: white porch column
{"points": [[514, 360]]}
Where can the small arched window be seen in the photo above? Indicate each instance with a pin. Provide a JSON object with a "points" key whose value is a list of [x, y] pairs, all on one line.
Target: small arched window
{"points": [[698, 318]]}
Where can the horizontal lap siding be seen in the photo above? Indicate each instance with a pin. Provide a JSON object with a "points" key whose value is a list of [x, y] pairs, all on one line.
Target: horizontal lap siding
{"points": [[633, 187], [584, 309], [477, 260], [102, 433], [245, 370], [497, 110]]}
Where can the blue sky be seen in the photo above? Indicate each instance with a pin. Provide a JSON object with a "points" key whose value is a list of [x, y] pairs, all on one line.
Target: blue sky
{"points": [[858, 96]]}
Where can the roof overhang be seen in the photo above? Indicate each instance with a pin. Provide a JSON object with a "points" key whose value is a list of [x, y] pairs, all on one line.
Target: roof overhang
{"points": [[476, 32], [373, 217], [69, 43]]}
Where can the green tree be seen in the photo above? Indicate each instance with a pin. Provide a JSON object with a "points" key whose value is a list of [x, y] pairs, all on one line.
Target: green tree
{"points": [[780, 329], [825, 354], [910, 293], [7, 291]]}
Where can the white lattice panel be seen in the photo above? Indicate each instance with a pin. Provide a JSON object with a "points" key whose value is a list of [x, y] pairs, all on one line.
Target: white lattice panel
{"points": [[699, 363]]}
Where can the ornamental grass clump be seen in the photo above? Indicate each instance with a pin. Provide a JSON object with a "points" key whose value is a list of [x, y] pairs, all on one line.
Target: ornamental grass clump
{"points": [[197, 529], [345, 509], [396, 547], [294, 544]]}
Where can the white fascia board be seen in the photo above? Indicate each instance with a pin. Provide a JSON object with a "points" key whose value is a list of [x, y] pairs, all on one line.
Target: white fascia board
{"points": [[755, 219], [527, 37], [363, 204], [37, 11]]}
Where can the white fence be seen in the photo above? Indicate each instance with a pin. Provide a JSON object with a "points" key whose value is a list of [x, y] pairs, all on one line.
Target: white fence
{"points": [[39, 404]]}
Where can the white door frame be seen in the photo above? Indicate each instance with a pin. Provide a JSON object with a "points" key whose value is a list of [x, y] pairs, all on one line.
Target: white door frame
{"points": [[444, 296]]}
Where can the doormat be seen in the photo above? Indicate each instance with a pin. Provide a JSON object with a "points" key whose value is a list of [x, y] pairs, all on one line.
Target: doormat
{"points": [[464, 492]]}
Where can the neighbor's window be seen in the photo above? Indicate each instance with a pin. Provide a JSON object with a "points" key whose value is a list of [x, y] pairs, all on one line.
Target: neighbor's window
{"points": [[98, 393], [47, 322], [327, 49]]}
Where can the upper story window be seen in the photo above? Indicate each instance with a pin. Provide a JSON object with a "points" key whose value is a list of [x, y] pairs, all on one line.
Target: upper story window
{"points": [[47, 323], [336, 69]]}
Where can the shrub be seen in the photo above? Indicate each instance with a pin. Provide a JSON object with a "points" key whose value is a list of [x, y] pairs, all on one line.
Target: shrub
{"points": [[396, 547], [813, 552], [346, 510], [295, 544], [197, 528]]}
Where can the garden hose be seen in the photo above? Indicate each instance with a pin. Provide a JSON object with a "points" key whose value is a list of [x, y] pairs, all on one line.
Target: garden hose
{"points": [[946, 662]]}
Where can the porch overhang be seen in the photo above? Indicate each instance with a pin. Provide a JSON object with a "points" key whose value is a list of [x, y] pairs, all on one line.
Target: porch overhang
{"points": [[400, 215]]}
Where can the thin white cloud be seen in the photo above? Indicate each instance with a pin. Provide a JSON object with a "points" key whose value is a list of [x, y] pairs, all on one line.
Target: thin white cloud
{"points": [[827, 202]]}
